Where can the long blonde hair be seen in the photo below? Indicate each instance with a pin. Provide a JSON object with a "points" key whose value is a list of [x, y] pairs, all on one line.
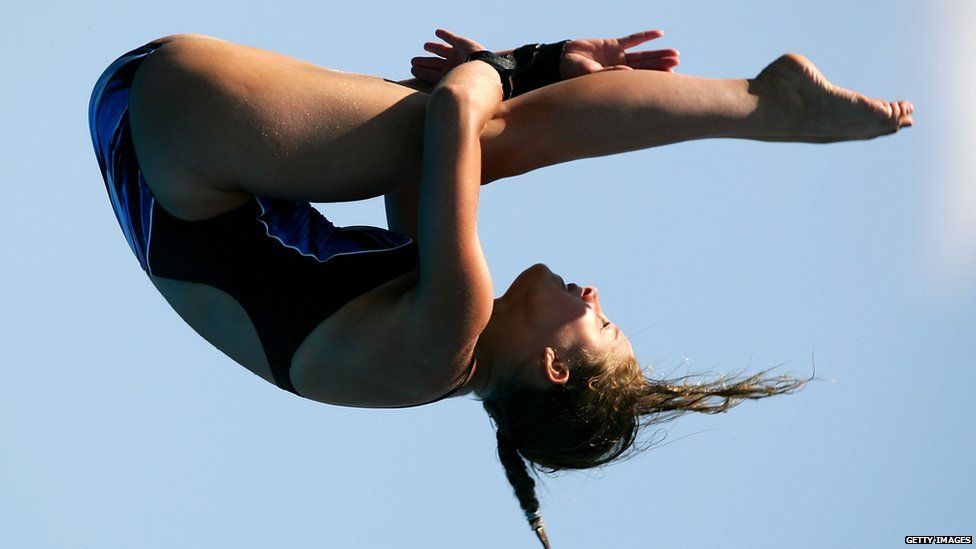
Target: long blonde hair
{"points": [[596, 416]]}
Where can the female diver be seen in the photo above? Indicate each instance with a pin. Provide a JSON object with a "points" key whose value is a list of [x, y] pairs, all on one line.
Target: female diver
{"points": [[212, 151]]}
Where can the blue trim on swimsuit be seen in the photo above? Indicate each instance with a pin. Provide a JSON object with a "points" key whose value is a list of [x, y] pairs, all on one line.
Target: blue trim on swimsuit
{"points": [[287, 265], [109, 125], [296, 225]]}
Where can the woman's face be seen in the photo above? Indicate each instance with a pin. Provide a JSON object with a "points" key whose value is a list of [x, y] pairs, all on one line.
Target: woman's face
{"points": [[553, 313]]}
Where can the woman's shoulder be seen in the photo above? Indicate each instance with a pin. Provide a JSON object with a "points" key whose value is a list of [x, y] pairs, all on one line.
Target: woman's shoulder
{"points": [[380, 351]]}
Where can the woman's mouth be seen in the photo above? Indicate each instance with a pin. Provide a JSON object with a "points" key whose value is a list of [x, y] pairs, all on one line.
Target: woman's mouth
{"points": [[559, 279], [572, 287]]}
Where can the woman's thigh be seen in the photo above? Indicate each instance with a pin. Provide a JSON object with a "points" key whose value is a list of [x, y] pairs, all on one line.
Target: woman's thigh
{"points": [[214, 122]]}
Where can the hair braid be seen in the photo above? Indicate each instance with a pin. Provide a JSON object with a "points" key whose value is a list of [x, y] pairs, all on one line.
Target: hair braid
{"points": [[595, 417], [518, 477]]}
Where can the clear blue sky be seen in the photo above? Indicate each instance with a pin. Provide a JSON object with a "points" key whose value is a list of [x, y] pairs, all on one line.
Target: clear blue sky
{"points": [[122, 428]]}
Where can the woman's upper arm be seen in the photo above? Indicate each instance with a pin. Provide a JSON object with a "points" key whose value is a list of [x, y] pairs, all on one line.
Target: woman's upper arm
{"points": [[454, 287], [402, 209]]}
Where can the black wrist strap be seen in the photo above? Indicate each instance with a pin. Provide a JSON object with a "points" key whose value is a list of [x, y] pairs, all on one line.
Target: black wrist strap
{"points": [[503, 64], [537, 65]]}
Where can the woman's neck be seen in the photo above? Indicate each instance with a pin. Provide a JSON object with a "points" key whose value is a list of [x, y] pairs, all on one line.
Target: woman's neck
{"points": [[489, 370]]}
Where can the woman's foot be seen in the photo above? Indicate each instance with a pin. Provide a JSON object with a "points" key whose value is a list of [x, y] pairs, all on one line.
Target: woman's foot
{"points": [[803, 106]]}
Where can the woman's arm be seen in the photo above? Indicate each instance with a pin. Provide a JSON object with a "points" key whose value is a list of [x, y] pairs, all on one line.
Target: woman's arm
{"points": [[579, 57], [454, 291]]}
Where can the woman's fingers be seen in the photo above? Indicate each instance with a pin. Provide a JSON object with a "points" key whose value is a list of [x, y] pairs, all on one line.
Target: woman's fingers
{"points": [[637, 38], [653, 60], [458, 41], [664, 63], [447, 36], [433, 63], [660, 60], [427, 75], [438, 49], [655, 54], [432, 69]]}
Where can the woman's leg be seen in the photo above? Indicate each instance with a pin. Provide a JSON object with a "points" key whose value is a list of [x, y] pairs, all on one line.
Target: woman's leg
{"points": [[619, 111], [214, 122]]}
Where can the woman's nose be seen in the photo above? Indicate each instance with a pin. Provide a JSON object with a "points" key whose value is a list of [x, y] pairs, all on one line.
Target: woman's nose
{"points": [[591, 295]]}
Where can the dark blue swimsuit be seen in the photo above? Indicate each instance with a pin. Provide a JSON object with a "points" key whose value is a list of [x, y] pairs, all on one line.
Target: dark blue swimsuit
{"points": [[283, 261]]}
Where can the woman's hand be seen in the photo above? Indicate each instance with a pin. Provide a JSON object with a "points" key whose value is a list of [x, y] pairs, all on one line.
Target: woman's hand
{"points": [[582, 56], [451, 54], [590, 55]]}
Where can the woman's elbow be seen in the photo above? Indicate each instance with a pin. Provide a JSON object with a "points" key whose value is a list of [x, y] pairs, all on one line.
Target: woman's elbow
{"points": [[452, 108], [467, 102], [452, 96]]}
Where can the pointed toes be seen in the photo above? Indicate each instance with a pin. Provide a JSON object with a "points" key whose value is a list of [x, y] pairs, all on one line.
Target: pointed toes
{"points": [[899, 113], [902, 112]]}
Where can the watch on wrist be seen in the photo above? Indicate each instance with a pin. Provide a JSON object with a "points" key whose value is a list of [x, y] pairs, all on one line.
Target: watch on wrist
{"points": [[537, 65], [503, 64]]}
